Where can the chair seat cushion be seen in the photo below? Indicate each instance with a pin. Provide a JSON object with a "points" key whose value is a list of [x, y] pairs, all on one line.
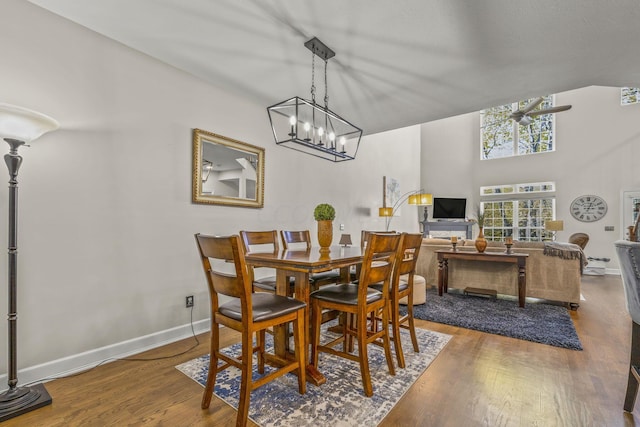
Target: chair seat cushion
{"points": [[345, 293], [269, 283], [265, 307], [403, 286], [325, 275]]}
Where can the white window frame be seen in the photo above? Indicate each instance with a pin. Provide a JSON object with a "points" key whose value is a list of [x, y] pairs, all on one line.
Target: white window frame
{"points": [[514, 133], [517, 194]]}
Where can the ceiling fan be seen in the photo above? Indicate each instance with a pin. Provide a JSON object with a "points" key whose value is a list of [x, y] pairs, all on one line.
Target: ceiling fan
{"points": [[524, 115]]}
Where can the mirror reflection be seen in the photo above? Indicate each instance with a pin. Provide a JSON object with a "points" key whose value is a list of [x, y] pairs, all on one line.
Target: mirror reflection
{"points": [[227, 171]]}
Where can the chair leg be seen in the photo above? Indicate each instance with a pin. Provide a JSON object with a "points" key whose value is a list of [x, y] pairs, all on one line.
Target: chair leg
{"points": [[387, 342], [632, 382], [395, 326], [361, 325], [412, 325], [245, 381], [260, 339], [301, 351], [213, 367]]}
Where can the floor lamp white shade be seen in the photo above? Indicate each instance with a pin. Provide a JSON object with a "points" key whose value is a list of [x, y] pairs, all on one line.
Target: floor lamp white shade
{"points": [[18, 126], [24, 124]]}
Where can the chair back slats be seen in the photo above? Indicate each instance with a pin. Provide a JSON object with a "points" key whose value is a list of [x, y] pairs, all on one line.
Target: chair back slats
{"points": [[364, 236], [408, 257], [294, 237], [224, 251], [379, 271], [377, 265], [228, 285], [260, 238]]}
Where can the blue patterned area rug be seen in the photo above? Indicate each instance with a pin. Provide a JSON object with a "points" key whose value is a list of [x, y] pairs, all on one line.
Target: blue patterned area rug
{"points": [[537, 322], [338, 402]]}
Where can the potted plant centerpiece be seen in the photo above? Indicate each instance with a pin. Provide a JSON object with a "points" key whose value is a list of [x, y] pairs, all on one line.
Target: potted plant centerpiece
{"points": [[481, 242], [324, 213]]}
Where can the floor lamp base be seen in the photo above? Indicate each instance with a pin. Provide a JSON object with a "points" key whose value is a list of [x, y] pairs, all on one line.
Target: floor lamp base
{"points": [[22, 400]]}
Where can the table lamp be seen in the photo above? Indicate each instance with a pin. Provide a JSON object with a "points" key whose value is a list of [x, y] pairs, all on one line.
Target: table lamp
{"points": [[554, 227], [345, 240]]}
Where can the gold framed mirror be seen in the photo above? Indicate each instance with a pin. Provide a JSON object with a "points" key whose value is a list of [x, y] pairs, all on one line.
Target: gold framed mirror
{"points": [[227, 171]]}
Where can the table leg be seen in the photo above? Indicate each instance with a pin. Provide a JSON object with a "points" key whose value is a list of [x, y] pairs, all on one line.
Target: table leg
{"points": [[522, 282], [280, 336], [440, 275], [280, 333], [345, 274], [443, 275]]}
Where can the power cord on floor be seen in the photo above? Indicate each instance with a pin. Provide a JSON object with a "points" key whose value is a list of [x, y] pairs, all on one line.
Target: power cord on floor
{"points": [[125, 359]]}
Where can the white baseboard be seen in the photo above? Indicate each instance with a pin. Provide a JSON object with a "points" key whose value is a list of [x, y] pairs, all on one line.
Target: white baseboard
{"points": [[83, 361]]}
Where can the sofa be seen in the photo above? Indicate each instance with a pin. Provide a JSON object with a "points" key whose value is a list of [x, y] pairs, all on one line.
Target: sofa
{"points": [[552, 274]]}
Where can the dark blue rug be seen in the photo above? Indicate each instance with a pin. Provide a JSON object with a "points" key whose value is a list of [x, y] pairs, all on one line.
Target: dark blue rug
{"points": [[537, 322]]}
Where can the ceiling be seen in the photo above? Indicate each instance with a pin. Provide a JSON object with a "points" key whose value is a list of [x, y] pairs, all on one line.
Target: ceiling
{"points": [[397, 63]]}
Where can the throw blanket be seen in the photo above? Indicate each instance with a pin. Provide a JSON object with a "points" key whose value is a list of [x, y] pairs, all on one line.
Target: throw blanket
{"points": [[566, 251]]}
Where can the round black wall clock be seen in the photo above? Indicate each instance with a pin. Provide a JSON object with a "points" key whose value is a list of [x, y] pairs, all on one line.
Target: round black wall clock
{"points": [[588, 208]]}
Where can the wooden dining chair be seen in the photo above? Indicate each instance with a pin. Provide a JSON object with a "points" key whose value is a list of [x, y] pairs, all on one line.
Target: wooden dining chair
{"points": [[249, 313], [357, 301], [402, 286], [263, 241], [302, 239]]}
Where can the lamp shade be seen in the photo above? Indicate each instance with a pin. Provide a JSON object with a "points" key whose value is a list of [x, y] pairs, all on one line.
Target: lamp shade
{"points": [[554, 225], [385, 211], [421, 199], [345, 239], [24, 124]]}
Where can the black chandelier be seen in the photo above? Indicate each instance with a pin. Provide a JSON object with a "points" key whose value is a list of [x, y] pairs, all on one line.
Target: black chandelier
{"points": [[306, 126]]}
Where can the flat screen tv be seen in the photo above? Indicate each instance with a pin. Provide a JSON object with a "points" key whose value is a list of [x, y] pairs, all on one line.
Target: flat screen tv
{"points": [[448, 208]]}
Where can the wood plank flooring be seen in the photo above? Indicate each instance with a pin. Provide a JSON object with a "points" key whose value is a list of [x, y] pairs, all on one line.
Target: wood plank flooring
{"points": [[477, 380]]}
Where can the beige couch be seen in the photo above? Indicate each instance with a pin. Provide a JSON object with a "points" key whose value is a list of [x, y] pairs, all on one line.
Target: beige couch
{"points": [[548, 277]]}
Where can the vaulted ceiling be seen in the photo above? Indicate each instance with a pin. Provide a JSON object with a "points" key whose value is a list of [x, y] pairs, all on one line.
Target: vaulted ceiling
{"points": [[397, 63]]}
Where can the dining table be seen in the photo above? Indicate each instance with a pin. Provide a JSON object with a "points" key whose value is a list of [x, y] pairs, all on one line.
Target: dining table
{"points": [[300, 264]]}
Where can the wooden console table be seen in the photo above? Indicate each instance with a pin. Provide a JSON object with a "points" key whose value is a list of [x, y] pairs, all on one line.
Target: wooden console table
{"points": [[429, 226], [520, 259]]}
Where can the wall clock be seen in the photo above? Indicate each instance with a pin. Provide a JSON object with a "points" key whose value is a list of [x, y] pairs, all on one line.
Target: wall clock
{"points": [[588, 208]]}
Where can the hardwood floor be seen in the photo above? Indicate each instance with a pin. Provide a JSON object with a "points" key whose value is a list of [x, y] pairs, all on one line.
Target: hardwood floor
{"points": [[477, 380]]}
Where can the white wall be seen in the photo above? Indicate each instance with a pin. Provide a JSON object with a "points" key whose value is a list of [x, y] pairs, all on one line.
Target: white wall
{"points": [[106, 247], [598, 144]]}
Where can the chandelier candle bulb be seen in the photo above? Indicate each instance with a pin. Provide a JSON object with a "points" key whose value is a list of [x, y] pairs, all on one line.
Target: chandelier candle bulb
{"points": [[292, 122], [307, 127]]}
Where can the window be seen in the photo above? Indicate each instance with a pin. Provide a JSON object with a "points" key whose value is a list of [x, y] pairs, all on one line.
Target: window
{"points": [[629, 95], [519, 215], [504, 137]]}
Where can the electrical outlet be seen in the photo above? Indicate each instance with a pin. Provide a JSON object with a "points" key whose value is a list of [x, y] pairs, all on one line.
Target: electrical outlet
{"points": [[609, 228], [341, 227], [189, 301]]}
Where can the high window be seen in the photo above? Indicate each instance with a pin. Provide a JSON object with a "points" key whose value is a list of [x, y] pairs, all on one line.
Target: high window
{"points": [[629, 95], [502, 136], [518, 210]]}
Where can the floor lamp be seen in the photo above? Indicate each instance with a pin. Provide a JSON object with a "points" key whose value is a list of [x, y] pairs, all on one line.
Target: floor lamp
{"points": [[18, 126]]}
